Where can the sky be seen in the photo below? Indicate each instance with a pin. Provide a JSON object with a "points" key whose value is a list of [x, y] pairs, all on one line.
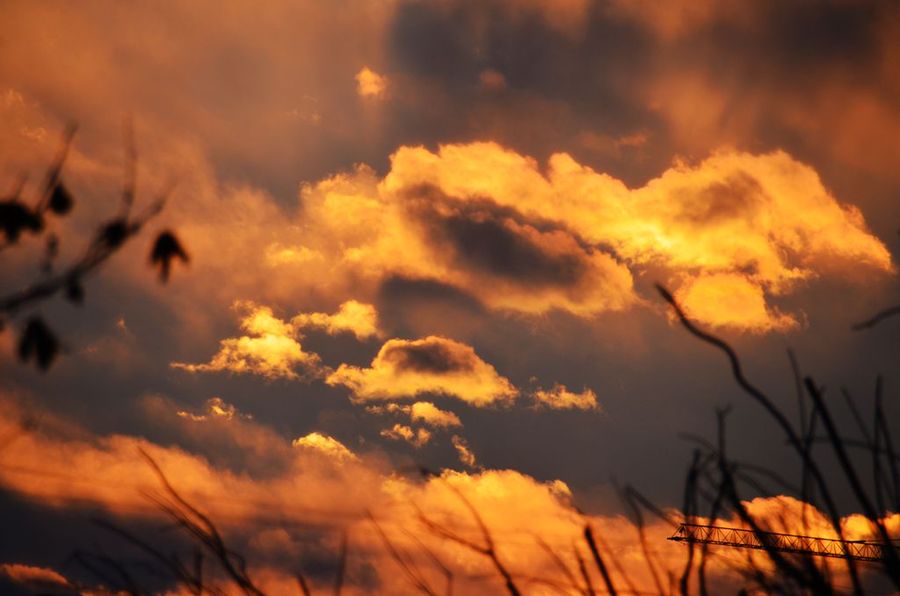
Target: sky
{"points": [[426, 234]]}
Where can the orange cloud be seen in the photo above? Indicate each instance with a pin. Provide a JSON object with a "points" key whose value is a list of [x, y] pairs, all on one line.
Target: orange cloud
{"points": [[491, 222], [323, 490], [462, 450], [370, 84], [560, 398], [38, 578], [765, 217], [731, 300], [519, 237], [269, 350], [216, 407], [352, 316], [272, 348], [371, 230], [421, 411], [276, 255], [324, 444], [407, 368], [427, 413], [401, 432]]}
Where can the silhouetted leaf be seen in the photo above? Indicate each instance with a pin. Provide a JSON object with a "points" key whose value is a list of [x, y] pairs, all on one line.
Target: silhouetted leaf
{"points": [[38, 342], [166, 248], [74, 291], [61, 200], [15, 217], [114, 233]]}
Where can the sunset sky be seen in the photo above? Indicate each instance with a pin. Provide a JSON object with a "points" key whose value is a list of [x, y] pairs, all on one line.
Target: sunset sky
{"points": [[426, 233]]}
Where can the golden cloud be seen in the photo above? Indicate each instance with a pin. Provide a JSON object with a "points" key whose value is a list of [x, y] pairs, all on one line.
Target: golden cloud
{"points": [[560, 398], [463, 451], [401, 432], [731, 300], [324, 444], [407, 368], [371, 230], [269, 350], [521, 237], [216, 407], [370, 84], [424, 412], [767, 218], [492, 223], [428, 413], [355, 317], [272, 348]]}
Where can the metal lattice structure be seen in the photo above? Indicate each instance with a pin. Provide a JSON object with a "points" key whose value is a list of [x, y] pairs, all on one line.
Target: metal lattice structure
{"points": [[787, 543]]}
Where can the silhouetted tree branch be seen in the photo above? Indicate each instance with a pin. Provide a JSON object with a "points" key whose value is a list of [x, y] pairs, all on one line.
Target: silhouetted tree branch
{"points": [[38, 342]]}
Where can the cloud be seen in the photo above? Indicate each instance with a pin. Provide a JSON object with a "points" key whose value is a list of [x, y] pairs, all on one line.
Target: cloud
{"points": [[671, 20], [218, 431], [370, 84], [829, 87], [560, 398], [304, 508], [765, 217], [277, 255], [427, 413], [372, 231], [516, 236], [352, 316], [34, 578], [731, 300], [269, 350], [401, 432], [324, 444], [462, 450], [216, 407], [492, 223], [407, 368], [492, 80], [299, 115], [421, 411], [254, 223], [272, 348]]}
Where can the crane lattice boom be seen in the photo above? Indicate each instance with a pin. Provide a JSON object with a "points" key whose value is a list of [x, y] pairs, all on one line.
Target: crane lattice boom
{"points": [[787, 543]]}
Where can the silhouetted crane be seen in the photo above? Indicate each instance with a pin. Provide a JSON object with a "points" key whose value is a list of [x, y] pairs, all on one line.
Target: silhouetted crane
{"points": [[860, 550]]}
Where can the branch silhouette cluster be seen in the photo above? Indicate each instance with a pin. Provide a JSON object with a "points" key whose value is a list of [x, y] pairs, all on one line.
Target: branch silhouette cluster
{"points": [[20, 218]]}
